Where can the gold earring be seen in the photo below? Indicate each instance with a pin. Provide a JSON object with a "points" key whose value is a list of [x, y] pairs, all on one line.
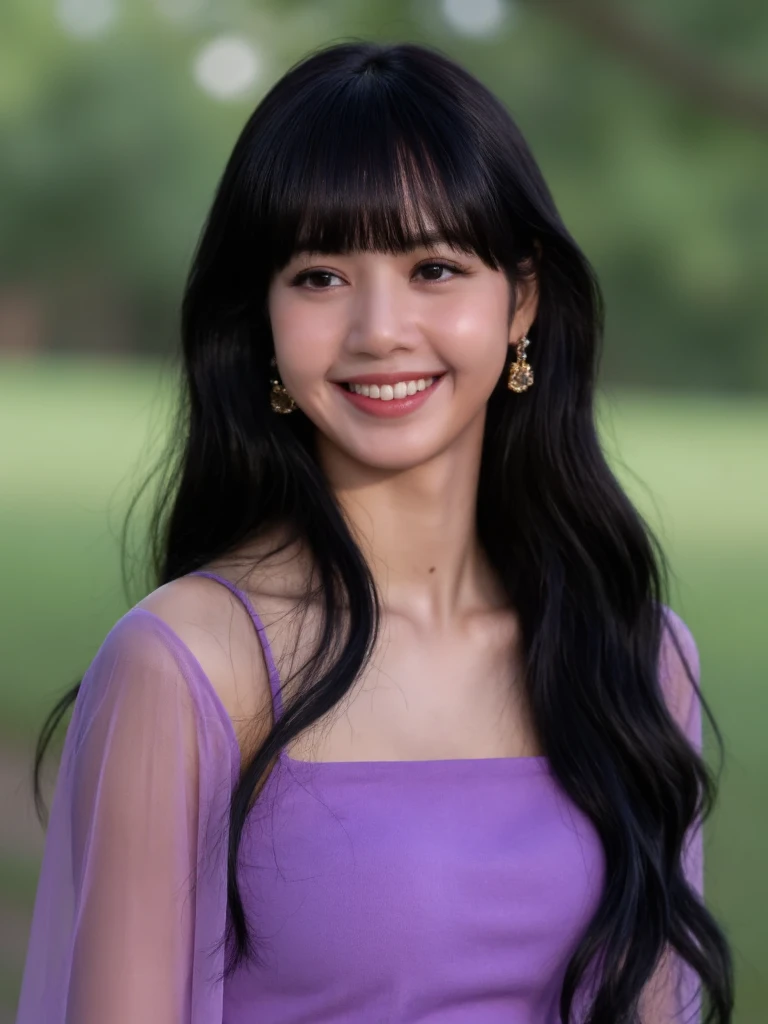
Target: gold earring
{"points": [[279, 398], [520, 372]]}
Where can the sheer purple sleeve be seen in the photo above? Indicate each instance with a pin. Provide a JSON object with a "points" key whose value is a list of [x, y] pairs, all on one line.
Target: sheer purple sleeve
{"points": [[688, 708], [130, 910], [673, 996]]}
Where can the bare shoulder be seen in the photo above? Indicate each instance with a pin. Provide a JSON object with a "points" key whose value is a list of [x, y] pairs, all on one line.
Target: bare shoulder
{"points": [[217, 629]]}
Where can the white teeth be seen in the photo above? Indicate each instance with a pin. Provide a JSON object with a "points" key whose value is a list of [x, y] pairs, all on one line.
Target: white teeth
{"points": [[386, 392]]}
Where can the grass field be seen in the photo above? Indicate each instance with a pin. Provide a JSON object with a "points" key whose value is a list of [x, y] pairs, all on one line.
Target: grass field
{"points": [[74, 437]]}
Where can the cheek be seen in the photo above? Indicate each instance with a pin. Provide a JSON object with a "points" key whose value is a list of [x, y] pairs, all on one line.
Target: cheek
{"points": [[474, 335], [305, 337]]}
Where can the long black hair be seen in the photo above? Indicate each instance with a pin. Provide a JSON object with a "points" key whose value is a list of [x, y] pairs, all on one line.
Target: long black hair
{"points": [[328, 161]]}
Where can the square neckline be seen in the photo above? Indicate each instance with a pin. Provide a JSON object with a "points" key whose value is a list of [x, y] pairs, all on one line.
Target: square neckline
{"points": [[525, 763], [522, 762]]}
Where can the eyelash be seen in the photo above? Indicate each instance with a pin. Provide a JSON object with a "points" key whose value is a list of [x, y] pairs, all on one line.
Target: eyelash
{"points": [[306, 274]]}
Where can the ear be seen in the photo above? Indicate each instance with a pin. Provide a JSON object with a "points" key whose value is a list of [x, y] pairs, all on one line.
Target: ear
{"points": [[526, 302]]}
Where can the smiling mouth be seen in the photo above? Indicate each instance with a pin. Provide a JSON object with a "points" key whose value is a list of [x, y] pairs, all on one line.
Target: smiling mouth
{"points": [[388, 392]]}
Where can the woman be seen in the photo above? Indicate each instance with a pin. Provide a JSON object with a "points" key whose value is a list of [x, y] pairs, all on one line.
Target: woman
{"points": [[407, 732]]}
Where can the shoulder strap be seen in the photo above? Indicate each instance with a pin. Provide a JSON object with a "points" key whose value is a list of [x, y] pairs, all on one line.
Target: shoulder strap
{"points": [[274, 677]]}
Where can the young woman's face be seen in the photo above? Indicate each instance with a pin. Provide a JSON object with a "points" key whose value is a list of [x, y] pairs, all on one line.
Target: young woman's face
{"points": [[389, 324]]}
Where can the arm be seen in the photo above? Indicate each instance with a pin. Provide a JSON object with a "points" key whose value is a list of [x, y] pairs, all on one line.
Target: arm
{"points": [[661, 1003], [131, 898]]}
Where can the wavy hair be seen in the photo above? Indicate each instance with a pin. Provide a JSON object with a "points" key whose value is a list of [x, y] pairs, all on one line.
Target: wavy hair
{"points": [[328, 161]]}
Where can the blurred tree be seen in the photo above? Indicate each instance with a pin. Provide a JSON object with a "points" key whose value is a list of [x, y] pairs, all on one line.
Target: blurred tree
{"points": [[110, 149], [664, 58]]}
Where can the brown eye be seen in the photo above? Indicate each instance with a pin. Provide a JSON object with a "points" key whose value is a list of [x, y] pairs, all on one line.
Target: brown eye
{"points": [[433, 267], [309, 275]]}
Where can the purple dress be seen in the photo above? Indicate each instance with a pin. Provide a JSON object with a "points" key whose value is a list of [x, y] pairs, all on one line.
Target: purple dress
{"points": [[394, 892]]}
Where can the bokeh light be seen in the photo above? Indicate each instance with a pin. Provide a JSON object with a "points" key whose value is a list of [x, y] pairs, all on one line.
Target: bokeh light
{"points": [[86, 19], [475, 17], [227, 67]]}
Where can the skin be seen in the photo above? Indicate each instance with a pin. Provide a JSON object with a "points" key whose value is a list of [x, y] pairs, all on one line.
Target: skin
{"points": [[445, 678], [409, 484]]}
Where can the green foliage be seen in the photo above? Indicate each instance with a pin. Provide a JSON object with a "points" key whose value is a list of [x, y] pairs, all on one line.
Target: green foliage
{"points": [[111, 153]]}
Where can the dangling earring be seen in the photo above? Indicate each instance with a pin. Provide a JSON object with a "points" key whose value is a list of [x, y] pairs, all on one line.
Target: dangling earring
{"points": [[279, 398], [520, 373]]}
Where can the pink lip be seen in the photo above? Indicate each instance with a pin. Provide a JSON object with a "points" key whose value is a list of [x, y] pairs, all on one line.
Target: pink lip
{"points": [[388, 378], [393, 408]]}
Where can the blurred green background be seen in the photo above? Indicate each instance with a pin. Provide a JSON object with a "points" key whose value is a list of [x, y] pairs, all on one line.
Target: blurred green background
{"points": [[650, 122]]}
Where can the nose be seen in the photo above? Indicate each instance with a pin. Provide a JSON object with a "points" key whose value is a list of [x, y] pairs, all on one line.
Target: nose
{"points": [[381, 320]]}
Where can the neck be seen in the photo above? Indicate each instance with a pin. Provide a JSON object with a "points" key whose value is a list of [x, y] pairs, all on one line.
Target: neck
{"points": [[418, 530]]}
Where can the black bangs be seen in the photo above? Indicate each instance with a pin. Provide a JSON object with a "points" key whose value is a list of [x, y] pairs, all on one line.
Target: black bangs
{"points": [[367, 164]]}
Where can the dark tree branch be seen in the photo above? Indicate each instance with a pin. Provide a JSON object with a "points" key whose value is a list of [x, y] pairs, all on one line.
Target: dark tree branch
{"points": [[665, 60]]}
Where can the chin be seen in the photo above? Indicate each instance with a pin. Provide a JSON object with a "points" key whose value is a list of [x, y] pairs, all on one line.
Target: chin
{"points": [[388, 460]]}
